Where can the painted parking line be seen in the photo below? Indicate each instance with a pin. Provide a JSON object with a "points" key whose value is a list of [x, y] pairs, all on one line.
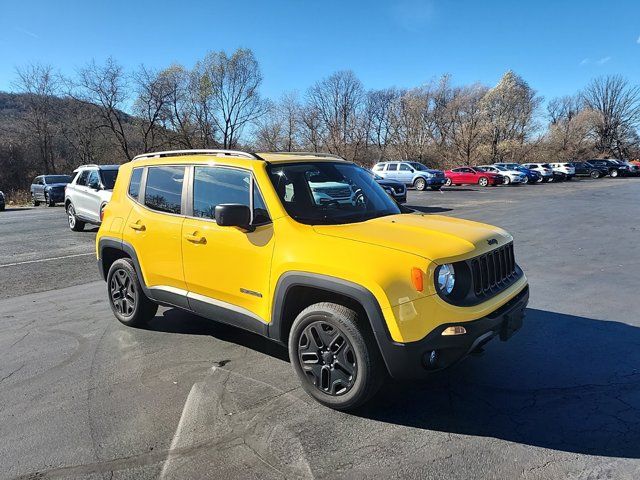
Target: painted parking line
{"points": [[46, 259]]}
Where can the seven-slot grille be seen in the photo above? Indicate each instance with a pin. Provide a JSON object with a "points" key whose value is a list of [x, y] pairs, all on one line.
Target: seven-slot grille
{"points": [[493, 270]]}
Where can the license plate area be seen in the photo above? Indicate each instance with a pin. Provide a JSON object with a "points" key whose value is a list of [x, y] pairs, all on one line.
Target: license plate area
{"points": [[512, 322]]}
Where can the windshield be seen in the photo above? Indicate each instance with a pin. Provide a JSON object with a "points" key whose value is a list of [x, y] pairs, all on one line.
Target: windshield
{"points": [[109, 178], [49, 179], [419, 166], [321, 193]]}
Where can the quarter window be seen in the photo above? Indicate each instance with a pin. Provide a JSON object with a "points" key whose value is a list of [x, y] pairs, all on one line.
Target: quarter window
{"points": [[134, 182], [163, 191], [378, 168]]}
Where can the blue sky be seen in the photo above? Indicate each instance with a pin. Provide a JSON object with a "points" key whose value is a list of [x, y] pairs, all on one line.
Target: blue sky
{"points": [[557, 46]]}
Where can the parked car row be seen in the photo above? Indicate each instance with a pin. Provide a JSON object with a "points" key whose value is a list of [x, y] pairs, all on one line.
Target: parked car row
{"points": [[414, 174]]}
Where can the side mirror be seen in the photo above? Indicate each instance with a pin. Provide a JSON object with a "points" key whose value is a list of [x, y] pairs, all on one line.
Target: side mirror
{"points": [[233, 215]]}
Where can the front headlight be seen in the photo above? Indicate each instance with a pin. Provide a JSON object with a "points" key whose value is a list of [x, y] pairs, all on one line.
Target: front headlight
{"points": [[446, 278]]}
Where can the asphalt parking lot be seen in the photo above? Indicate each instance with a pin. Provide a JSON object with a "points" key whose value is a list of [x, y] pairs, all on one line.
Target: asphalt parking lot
{"points": [[85, 397]]}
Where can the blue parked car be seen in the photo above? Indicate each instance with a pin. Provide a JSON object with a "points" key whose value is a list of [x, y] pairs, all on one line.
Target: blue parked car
{"points": [[49, 189], [411, 173], [532, 175]]}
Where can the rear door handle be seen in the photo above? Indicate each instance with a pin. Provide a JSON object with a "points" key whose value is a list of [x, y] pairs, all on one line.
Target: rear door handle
{"points": [[137, 226], [196, 238]]}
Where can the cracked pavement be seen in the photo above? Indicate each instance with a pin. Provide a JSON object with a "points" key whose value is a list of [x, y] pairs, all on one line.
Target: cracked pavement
{"points": [[85, 397]]}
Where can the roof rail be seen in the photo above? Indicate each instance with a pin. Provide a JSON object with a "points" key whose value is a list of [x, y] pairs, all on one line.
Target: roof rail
{"points": [[88, 165], [311, 154], [217, 153]]}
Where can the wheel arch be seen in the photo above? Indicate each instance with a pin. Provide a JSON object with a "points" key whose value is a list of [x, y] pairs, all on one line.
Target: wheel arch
{"points": [[297, 290]]}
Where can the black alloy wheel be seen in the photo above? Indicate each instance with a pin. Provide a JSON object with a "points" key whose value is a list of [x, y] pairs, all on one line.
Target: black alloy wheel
{"points": [[327, 358], [123, 294]]}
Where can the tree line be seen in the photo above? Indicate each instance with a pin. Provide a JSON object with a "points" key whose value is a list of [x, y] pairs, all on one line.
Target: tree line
{"points": [[50, 123]]}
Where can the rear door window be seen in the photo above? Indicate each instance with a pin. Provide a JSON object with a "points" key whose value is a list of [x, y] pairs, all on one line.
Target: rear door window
{"points": [[83, 176], [163, 191]]}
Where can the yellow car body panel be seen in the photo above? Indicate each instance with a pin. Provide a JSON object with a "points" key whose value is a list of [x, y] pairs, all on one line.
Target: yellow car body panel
{"points": [[377, 254]]}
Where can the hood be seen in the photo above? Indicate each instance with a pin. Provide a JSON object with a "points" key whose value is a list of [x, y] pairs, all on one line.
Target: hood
{"points": [[434, 237], [389, 183]]}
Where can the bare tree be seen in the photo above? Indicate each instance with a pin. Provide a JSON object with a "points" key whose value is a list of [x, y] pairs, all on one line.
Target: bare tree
{"points": [[618, 106], [339, 101], [510, 108], [411, 135], [467, 127], [279, 129], [40, 86], [107, 87], [152, 107], [379, 112], [229, 89]]}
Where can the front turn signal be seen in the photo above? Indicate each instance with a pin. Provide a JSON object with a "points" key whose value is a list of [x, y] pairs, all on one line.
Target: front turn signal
{"points": [[416, 279]]}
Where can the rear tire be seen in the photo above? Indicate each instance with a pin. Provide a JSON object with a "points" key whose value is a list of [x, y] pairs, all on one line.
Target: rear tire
{"points": [[483, 181], [613, 173], [75, 223], [594, 174], [447, 182], [36, 203], [336, 360], [128, 301]]}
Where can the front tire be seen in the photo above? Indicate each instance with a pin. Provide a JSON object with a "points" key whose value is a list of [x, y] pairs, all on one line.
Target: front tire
{"points": [[128, 301], [36, 202], [48, 201], [420, 184], [613, 173], [594, 174], [507, 180], [337, 362], [75, 223]]}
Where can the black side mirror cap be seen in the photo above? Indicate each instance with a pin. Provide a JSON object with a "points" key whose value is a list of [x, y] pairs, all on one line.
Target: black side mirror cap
{"points": [[234, 215]]}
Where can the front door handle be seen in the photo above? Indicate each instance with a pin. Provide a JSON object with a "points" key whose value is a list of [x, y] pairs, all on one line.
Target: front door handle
{"points": [[196, 239], [137, 226]]}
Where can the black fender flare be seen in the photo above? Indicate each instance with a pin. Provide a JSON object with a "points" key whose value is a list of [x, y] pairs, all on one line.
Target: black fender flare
{"points": [[388, 347]]}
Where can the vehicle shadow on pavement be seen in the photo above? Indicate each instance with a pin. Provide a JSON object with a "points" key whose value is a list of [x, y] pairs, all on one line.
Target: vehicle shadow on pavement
{"points": [[564, 382], [174, 320]]}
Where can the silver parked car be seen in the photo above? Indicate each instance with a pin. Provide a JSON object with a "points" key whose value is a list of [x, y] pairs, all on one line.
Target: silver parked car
{"points": [[88, 193], [510, 175]]}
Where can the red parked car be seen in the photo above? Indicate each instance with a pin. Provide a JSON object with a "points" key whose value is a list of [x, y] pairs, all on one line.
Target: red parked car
{"points": [[472, 176]]}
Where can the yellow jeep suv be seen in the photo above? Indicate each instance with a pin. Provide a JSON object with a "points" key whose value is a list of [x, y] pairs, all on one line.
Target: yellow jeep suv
{"points": [[308, 250]]}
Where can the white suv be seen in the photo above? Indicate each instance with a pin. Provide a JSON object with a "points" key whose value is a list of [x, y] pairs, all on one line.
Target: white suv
{"points": [[566, 168], [86, 196]]}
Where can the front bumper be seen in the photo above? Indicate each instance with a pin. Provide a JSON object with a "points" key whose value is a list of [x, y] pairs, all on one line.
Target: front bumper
{"points": [[417, 360], [55, 195], [432, 181]]}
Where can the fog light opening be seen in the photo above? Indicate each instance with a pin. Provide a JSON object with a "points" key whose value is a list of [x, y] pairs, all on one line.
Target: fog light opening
{"points": [[455, 330]]}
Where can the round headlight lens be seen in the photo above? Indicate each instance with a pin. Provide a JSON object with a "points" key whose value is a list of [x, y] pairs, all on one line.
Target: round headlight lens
{"points": [[446, 278]]}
